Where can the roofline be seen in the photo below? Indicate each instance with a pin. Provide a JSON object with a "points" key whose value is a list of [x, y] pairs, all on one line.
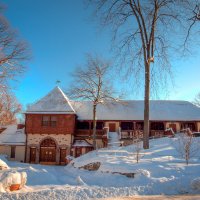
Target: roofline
{"points": [[13, 143], [49, 112], [160, 120], [66, 98], [64, 95], [140, 100]]}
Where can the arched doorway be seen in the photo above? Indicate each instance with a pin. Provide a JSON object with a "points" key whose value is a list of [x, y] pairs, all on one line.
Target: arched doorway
{"points": [[48, 151]]}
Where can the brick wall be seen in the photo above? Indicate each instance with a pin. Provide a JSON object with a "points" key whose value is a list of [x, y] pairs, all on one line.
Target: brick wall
{"points": [[65, 124]]}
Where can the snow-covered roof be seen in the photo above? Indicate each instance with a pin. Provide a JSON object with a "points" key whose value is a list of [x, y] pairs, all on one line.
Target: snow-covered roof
{"points": [[134, 110], [57, 102], [81, 143], [13, 136], [54, 102]]}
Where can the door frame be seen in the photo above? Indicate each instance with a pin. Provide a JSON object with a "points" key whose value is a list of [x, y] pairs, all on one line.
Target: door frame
{"points": [[112, 123], [50, 145], [63, 162]]}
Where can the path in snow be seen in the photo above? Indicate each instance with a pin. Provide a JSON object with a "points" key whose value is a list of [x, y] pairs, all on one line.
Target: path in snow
{"points": [[113, 139]]}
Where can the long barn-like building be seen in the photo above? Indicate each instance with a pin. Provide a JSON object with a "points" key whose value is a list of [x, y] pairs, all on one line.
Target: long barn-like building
{"points": [[56, 127]]}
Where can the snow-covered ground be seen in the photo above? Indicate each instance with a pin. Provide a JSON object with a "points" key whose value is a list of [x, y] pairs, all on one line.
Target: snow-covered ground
{"points": [[161, 170]]}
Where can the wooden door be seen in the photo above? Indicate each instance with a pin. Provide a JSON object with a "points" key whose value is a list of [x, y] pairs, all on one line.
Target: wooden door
{"points": [[32, 155], [112, 127], [78, 151], [63, 154], [173, 126], [47, 155]]}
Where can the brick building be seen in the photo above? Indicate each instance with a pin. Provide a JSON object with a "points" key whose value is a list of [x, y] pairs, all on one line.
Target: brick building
{"points": [[56, 126]]}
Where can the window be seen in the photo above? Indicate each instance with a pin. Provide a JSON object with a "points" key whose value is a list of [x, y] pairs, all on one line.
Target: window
{"points": [[157, 126], [12, 154], [99, 125], [53, 121], [127, 125], [49, 121], [83, 125], [45, 120]]}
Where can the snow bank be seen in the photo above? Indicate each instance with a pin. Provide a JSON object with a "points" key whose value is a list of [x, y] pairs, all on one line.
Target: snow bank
{"points": [[10, 178], [160, 171]]}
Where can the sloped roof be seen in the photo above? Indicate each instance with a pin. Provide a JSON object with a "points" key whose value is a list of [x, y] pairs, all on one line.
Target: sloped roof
{"points": [[57, 102], [54, 102], [134, 110], [13, 136]]}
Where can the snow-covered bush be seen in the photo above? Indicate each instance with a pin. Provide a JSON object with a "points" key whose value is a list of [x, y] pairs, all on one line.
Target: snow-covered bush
{"points": [[195, 184], [3, 165], [10, 178]]}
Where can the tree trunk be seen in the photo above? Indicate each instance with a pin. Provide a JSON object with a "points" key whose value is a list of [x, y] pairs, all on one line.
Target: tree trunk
{"points": [[146, 107], [94, 125]]}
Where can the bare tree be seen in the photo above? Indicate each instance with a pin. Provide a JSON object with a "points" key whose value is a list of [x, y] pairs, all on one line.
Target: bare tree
{"points": [[92, 82], [9, 108], [137, 145], [197, 100], [195, 17], [144, 31], [187, 146], [13, 52]]}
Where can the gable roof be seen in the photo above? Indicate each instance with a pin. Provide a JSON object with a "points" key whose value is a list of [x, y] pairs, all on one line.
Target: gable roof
{"points": [[54, 102], [13, 136], [164, 110]]}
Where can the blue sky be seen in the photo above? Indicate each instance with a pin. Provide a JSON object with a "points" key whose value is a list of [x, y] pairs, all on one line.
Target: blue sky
{"points": [[60, 33]]}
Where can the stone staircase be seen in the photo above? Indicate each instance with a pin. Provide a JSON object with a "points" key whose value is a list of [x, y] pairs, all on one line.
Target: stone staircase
{"points": [[113, 139]]}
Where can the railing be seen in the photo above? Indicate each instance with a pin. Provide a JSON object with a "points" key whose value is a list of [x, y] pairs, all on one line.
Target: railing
{"points": [[157, 133], [131, 134], [87, 133]]}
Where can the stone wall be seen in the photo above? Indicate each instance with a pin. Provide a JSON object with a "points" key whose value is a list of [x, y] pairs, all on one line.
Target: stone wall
{"points": [[62, 141]]}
